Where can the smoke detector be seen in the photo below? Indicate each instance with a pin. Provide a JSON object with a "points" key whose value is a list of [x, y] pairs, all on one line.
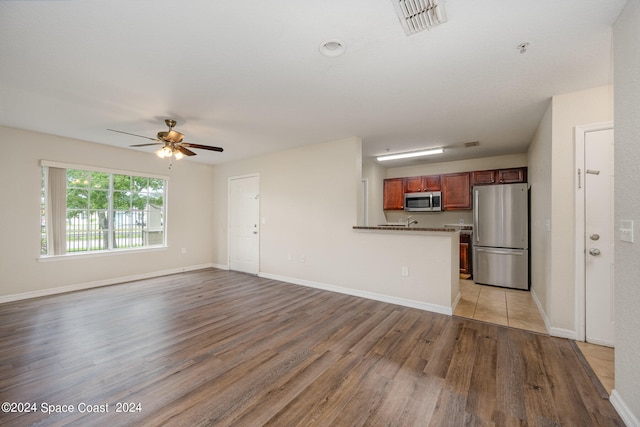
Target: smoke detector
{"points": [[419, 15]]}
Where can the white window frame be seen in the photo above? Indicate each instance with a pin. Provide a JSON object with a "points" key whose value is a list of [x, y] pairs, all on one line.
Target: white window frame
{"points": [[110, 251]]}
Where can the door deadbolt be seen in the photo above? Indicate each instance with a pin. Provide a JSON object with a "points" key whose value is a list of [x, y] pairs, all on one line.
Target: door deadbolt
{"points": [[594, 236], [594, 251]]}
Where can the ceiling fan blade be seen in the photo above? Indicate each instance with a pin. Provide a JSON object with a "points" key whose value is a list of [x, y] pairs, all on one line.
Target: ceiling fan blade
{"points": [[133, 134], [185, 151], [144, 145], [202, 147]]}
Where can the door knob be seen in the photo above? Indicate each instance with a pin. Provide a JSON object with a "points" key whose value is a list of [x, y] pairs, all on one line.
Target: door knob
{"points": [[594, 251], [594, 236]]}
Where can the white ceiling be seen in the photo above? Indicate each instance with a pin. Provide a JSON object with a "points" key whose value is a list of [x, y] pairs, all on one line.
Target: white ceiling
{"points": [[248, 76]]}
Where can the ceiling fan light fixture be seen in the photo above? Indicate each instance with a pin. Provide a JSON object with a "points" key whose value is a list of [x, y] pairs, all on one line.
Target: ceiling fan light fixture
{"points": [[173, 144], [410, 154], [164, 152]]}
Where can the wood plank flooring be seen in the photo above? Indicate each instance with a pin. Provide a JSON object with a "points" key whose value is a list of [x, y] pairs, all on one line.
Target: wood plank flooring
{"points": [[220, 348]]}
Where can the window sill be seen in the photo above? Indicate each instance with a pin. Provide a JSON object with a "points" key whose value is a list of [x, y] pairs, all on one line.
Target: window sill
{"points": [[94, 254]]}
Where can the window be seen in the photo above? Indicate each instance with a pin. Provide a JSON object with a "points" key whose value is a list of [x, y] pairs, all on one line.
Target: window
{"points": [[87, 210]]}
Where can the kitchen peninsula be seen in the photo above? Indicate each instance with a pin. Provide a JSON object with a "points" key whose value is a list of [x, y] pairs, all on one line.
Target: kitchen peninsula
{"points": [[414, 266]]}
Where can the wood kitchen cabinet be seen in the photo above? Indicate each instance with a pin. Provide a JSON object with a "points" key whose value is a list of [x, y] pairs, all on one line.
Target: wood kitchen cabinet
{"points": [[465, 253], [393, 194], [455, 187], [499, 176], [512, 176], [456, 191], [432, 183], [483, 177], [419, 184]]}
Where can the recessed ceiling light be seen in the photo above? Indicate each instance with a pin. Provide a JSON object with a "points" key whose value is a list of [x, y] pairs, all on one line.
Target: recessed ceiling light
{"points": [[332, 48]]}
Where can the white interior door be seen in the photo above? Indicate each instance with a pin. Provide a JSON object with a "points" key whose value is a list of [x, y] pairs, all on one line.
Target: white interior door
{"points": [[599, 237], [244, 228]]}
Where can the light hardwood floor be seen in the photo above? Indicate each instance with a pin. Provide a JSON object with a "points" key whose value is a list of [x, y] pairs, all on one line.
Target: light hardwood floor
{"points": [[517, 309], [214, 347]]}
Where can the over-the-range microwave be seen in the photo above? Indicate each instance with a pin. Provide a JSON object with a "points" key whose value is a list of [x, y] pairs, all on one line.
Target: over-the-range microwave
{"points": [[423, 202]]}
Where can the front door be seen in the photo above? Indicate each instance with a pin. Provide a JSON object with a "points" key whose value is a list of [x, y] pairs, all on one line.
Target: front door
{"points": [[599, 237], [244, 215]]}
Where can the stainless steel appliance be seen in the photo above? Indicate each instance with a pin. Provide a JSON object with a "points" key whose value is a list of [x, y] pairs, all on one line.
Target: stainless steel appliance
{"points": [[423, 202], [501, 235]]}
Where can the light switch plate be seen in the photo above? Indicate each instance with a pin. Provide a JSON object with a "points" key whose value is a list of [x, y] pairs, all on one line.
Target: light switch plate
{"points": [[626, 230]]}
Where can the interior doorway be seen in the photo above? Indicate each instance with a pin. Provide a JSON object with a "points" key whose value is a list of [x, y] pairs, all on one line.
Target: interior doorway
{"points": [[244, 224], [595, 235]]}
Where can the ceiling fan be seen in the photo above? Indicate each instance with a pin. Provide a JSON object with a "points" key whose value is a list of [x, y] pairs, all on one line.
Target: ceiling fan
{"points": [[172, 143]]}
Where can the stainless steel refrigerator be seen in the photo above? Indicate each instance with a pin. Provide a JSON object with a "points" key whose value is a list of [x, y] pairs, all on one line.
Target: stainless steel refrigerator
{"points": [[501, 235]]}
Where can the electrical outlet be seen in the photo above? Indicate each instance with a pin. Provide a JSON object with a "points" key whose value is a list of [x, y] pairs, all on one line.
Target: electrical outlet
{"points": [[289, 257], [184, 250], [302, 258], [405, 271]]}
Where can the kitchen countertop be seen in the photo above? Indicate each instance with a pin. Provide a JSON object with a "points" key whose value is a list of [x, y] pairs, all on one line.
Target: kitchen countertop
{"points": [[461, 227], [404, 228]]}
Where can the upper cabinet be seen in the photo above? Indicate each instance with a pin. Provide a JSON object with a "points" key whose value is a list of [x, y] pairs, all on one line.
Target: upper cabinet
{"points": [[499, 176], [483, 177], [456, 191], [419, 184], [455, 187], [512, 176], [393, 193]]}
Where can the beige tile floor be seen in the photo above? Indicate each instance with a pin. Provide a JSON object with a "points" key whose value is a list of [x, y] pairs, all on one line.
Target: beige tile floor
{"points": [[507, 307], [601, 360], [514, 308]]}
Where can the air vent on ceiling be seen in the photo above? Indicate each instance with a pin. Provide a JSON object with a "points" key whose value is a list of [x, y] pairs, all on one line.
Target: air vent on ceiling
{"points": [[419, 15]]}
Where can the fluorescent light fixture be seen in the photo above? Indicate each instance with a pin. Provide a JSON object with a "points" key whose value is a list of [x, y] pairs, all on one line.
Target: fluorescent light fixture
{"points": [[410, 154]]}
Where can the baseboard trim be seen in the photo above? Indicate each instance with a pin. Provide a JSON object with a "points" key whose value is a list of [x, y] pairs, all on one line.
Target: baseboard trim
{"points": [[220, 266], [545, 318], [554, 332], [99, 283], [435, 308], [563, 333], [455, 302], [623, 410]]}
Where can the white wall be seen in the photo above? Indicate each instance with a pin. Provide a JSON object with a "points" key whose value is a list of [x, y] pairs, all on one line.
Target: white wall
{"points": [[626, 396], [308, 195], [190, 210], [482, 163], [375, 175], [569, 110], [541, 189], [309, 205], [551, 174]]}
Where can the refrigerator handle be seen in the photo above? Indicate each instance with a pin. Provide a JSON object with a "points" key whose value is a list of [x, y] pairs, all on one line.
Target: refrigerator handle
{"points": [[498, 252], [476, 227]]}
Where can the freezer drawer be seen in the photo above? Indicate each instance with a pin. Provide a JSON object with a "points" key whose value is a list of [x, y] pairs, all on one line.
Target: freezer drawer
{"points": [[501, 267]]}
